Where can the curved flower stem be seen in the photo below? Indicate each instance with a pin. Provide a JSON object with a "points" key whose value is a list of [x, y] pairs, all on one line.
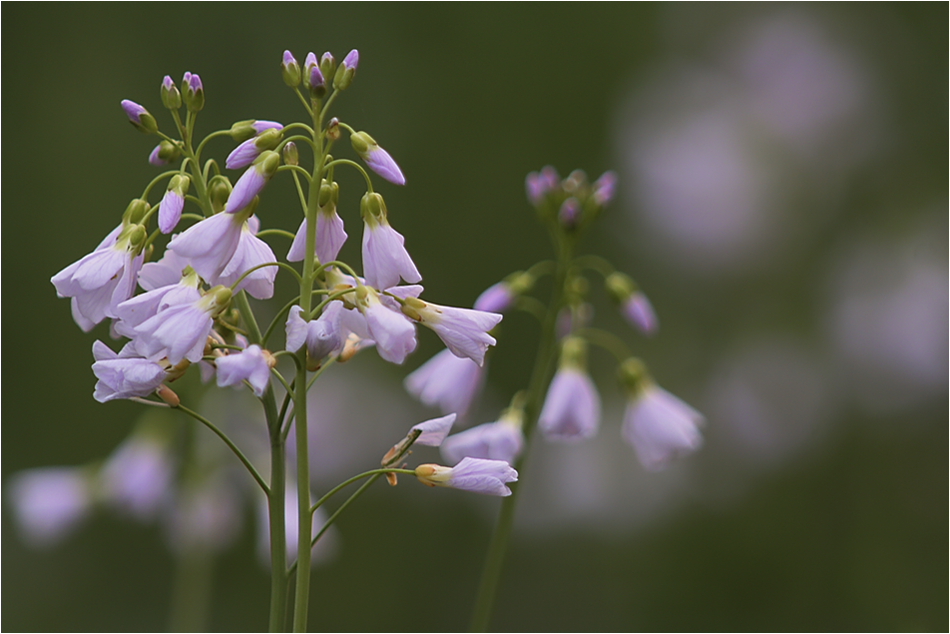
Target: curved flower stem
{"points": [[237, 452], [544, 366]]}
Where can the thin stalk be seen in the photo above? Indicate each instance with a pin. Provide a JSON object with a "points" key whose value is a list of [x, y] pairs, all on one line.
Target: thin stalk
{"points": [[540, 377]]}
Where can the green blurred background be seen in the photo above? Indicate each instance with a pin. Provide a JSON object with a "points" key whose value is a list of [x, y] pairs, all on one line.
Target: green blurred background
{"points": [[783, 201]]}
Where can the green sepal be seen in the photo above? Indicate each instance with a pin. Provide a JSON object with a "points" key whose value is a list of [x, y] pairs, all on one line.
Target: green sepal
{"points": [[135, 212], [218, 191]]}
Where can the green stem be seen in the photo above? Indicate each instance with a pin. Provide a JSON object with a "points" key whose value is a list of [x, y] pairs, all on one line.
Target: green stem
{"points": [[544, 366], [276, 510]]}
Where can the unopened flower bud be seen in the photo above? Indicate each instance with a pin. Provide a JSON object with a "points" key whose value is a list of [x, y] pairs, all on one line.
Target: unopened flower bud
{"points": [[347, 70], [575, 181], [219, 190], [164, 153], [570, 213], [140, 117], [291, 156], [193, 92], [290, 69], [135, 212], [171, 97], [333, 129], [372, 206], [168, 395], [326, 193], [377, 158], [327, 64], [316, 82], [604, 188]]}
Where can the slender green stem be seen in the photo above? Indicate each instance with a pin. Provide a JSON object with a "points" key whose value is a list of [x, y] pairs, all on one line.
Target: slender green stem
{"points": [[191, 592], [540, 377], [234, 448], [276, 516]]}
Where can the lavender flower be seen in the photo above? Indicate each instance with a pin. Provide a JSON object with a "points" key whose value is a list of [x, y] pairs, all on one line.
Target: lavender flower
{"points": [[605, 188], [500, 440], [571, 409], [268, 136], [49, 503], [252, 181], [135, 311], [137, 476], [322, 335], [181, 331], [169, 211], [464, 331], [209, 245], [385, 259], [123, 374], [331, 236], [434, 430], [251, 251], [103, 279], [166, 271], [496, 298], [377, 158], [639, 312], [447, 382], [194, 93], [346, 71], [251, 364], [660, 427], [471, 474], [171, 97], [394, 335]]}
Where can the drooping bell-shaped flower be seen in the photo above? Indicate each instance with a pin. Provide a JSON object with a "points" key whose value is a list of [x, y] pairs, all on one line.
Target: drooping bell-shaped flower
{"points": [[464, 331], [395, 336], [251, 252], [100, 281], [322, 335], [471, 474], [447, 382], [135, 311], [252, 181], [500, 440], [124, 374], [252, 364], [659, 425], [376, 158], [385, 259], [181, 331], [209, 245], [571, 409]]}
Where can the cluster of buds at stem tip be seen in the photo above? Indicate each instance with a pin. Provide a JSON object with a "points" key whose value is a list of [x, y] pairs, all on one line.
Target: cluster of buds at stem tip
{"points": [[571, 202]]}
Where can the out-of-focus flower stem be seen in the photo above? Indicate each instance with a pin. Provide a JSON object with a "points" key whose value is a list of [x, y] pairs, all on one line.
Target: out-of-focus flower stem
{"points": [[544, 366]]}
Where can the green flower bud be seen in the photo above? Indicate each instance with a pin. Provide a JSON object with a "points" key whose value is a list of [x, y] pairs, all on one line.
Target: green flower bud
{"points": [[333, 129], [619, 286], [171, 98], [243, 130], [290, 70], [574, 353], [329, 192], [219, 189], [291, 156], [135, 212]]}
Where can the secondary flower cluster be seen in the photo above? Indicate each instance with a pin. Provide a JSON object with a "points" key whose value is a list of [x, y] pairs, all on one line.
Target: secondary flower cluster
{"points": [[657, 424]]}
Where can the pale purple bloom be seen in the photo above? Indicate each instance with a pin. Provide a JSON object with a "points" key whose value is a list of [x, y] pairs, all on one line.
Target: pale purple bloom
{"points": [[395, 336], [605, 188], [205, 516], [123, 375], [137, 476], [243, 155], [639, 312], [135, 311], [377, 158], [169, 211], [164, 272], [385, 259], [500, 440], [434, 431], [322, 335], [249, 365], [251, 251], [464, 331], [471, 474], [330, 238], [49, 503], [180, 331], [209, 245], [495, 299], [572, 407], [252, 181], [661, 427], [534, 188], [446, 381], [101, 280]]}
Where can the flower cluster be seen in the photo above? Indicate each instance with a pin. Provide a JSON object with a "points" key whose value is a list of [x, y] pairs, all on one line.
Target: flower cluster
{"points": [[657, 424]]}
